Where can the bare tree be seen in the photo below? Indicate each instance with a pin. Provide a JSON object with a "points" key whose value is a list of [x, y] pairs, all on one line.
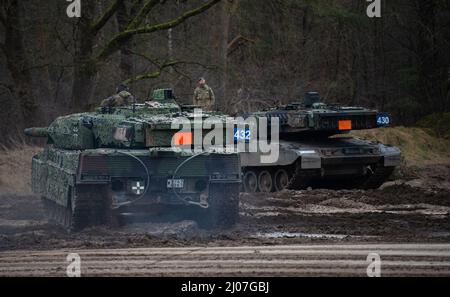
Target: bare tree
{"points": [[87, 64], [16, 59]]}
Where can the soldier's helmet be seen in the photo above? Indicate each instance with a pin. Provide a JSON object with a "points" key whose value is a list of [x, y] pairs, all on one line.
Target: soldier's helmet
{"points": [[311, 98], [121, 88]]}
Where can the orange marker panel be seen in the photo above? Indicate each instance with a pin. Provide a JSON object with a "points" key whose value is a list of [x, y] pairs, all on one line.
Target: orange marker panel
{"points": [[345, 125], [182, 138]]}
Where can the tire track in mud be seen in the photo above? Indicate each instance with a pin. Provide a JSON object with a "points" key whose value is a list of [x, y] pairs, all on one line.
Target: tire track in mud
{"points": [[287, 260], [400, 211]]}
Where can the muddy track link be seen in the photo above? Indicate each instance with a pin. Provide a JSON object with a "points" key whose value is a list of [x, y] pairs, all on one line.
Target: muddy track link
{"points": [[301, 178], [379, 176], [223, 211]]}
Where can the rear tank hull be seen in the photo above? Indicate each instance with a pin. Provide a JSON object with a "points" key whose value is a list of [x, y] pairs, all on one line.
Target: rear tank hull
{"points": [[100, 186]]}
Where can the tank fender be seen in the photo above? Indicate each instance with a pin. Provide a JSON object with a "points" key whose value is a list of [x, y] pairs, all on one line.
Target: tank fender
{"points": [[310, 159], [391, 155], [287, 156]]}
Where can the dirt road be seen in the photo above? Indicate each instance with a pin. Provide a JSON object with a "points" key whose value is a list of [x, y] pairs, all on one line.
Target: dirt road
{"points": [[293, 260], [273, 236], [399, 212]]}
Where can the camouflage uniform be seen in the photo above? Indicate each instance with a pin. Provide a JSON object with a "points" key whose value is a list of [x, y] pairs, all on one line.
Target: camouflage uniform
{"points": [[122, 98], [204, 97]]}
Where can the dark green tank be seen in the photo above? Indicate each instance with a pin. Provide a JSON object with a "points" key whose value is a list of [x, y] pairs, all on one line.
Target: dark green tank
{"points": [[315, 151], [117, 161]]}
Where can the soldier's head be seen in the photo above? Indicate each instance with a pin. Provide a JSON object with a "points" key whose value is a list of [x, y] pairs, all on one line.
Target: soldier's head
{"points": [[201, 81], [122, 87]]}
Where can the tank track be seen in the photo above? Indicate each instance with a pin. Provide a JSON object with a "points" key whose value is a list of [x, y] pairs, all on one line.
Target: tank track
{"points": [[90, 207], [223, 211], [379, 176], [301, 178]]}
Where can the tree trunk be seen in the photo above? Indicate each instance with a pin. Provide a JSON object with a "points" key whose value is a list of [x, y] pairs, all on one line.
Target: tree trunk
{"points": [[17, 63], [126, 60], [430, 63], [84, 69], [226, 10]]}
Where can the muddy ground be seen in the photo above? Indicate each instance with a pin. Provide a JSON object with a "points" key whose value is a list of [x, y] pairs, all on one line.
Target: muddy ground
{"points": [[417, 210]]}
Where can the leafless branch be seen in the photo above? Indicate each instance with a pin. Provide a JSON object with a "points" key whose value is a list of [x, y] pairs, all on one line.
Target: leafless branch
{"points": [[154, 74], [158, 63], [145, 10], [152, 60], [60, 38], [97, 25], [237, 42], [45, 65], [160, 69], [114, 44]]}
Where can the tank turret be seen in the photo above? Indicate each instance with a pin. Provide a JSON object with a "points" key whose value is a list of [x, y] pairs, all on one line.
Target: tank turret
{"points": [[135, 126], [312, 116]]}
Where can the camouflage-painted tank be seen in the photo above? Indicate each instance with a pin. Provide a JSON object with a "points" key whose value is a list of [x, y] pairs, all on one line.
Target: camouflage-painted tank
{"points": [[311, 155], [118, 161]]}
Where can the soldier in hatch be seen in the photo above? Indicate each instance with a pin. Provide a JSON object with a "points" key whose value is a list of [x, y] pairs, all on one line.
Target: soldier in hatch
{"points": [[204, 96], [122, 97]]}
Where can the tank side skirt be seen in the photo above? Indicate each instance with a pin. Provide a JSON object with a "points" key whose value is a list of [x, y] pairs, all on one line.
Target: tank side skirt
{"points": [[51, 176]]}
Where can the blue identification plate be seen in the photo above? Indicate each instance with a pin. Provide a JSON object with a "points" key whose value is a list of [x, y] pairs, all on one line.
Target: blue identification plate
{"points": [[242, 135], [383, 120]]}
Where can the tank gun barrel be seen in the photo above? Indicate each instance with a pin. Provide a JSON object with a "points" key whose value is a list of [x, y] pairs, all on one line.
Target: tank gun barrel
{"points": [[36, 132]]}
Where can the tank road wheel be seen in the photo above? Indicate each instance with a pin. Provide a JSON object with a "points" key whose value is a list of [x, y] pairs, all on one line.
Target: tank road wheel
{"points": [[265, 181], [88, 205], [250, 182], [223, 210], [281, 179]]}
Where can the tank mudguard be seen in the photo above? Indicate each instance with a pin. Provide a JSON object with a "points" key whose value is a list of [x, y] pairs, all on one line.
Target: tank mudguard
{"points": [[391, 154], [317, 155], [310, 159]]}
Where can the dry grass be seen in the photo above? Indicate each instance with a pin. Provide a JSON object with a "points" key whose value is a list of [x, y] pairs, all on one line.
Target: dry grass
{"points": [[15, 169], [418, 147]]}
